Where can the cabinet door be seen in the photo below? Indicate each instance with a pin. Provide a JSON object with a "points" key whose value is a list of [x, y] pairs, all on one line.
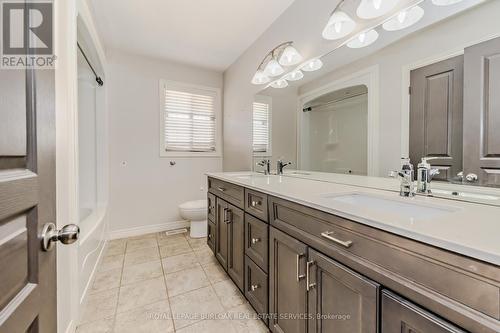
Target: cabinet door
{"points": [[287, 284], [221, 227], [340, 300], [236, 247], [401, 316]]}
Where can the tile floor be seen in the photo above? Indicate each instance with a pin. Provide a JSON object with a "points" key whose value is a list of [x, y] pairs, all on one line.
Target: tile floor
{"points": [[158, 283]]}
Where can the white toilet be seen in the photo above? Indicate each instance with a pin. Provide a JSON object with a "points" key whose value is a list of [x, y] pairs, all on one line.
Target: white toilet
{"points": [[196, 212]]}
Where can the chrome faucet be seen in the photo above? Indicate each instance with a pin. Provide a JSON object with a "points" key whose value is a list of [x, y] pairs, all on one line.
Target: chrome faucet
{"points": [[280, 165], [406, 175], [424, 176], [267, 164]]}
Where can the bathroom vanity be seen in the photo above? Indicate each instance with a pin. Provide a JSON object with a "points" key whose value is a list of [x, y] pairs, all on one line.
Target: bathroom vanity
{"points": [[319, 256]]}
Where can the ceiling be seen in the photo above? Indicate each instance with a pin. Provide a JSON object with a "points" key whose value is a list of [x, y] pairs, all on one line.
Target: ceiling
{"points": [[205, 33]]}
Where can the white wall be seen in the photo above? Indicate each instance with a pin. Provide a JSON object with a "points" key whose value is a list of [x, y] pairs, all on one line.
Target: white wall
{"points": [[145, 190], [302, 24]]}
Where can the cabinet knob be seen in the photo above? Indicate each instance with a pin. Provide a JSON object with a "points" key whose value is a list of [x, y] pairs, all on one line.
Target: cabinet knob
{"points": [[255, 240], [254, 287], [256, 203]]}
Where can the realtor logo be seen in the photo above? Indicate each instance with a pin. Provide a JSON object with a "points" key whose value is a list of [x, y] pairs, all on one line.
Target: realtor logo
{"points": [[27, 34]]}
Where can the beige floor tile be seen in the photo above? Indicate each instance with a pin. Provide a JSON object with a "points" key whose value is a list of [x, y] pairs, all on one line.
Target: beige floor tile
{"points": [[174, 249], [186, 280], [194, 306], [150, 318], [197, 243], [100, 326], [215, 272], [141, 293], [180, 262], [110, 262], [209, 326], [140, 272], [115, 247], [245, 320], [107, 280], [205, 256], [136, 244], [100, 305], [141, 256], [229, 295]]}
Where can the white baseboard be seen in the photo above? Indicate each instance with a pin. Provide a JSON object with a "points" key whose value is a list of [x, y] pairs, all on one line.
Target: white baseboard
{"points": [[147, 229]]}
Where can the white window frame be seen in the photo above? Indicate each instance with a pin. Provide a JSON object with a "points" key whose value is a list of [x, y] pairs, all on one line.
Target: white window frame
{"points": [[218, 120], [267, 100]]}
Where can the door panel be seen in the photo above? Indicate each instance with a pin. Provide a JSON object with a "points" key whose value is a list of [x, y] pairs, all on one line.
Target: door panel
{"points": [[482, 112], [342, 301], [221, 227], [287, 284], [236, 249], [436, 115], [27, 201], [401, 316]]}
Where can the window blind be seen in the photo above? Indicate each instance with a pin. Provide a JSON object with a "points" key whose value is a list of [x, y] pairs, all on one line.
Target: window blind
{"points": [[260, 127], [189, 120]]}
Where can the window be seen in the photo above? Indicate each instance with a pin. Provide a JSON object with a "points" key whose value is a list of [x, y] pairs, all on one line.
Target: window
{"points": [[189, 120], [262, 126]]}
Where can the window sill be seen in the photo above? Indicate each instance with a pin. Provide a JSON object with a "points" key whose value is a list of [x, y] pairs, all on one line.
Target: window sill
{"points": [[164, 154]]}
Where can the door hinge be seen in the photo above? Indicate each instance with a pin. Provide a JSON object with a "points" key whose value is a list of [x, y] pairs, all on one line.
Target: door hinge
{"points": [[409, 90]]}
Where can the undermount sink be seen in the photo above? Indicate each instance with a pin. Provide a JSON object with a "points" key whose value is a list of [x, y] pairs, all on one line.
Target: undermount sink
{"points": [[408, 210]]}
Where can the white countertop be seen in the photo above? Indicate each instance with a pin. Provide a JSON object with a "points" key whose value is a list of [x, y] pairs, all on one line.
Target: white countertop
{"points": [[470, 229]]}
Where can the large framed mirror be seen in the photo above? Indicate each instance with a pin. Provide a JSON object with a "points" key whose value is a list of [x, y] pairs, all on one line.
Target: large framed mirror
{"points": [[428, 90]]}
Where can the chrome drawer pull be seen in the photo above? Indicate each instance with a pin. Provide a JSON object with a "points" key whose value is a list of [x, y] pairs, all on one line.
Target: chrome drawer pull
{"points": [[327, 235], [254, 287], [222, 189], [255, 240], [309, 285], [256, 203], [299, 276]]}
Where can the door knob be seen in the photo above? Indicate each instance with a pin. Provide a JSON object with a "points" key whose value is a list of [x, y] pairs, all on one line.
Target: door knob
{"points": [[66, 235], [471, 177]]}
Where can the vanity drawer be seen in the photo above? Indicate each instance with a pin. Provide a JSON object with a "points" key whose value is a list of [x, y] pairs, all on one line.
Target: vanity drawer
{"points": [[256, 288], [447, 283], [211, 206], [211, 235], [256, 240], [232, 193], [256, 204]]}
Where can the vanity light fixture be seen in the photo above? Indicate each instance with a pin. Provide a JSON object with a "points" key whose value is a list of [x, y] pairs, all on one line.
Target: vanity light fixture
{"points": [[404, 19], [339, 25], [281, 83], [369, 9], [363, 39], [445, 2], [312, 65], [273, 68], [260, 78], [272, 64], [290, 56], [294, 76]]}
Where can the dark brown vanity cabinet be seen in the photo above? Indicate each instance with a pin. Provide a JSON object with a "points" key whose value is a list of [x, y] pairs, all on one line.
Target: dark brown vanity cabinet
{"points": [[229, 240], [310, 292], [401, 316], [340, 300], [287, 283]]}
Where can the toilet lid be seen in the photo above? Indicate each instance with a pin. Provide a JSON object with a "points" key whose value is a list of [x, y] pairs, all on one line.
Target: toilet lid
{"points": [[196, 204]]}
